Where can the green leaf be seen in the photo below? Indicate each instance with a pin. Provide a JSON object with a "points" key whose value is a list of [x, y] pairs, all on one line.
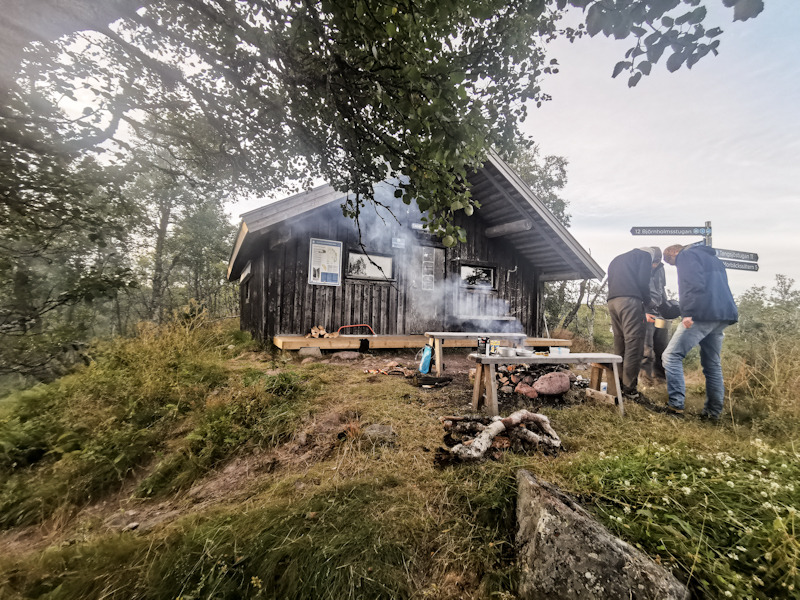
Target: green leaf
{"points": [[747, 9], [620, 67], [391, 29], [595, 20], [675, 61]]}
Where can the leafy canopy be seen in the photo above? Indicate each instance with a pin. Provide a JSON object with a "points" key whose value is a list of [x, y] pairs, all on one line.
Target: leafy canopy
{"points": [[352, 91]]}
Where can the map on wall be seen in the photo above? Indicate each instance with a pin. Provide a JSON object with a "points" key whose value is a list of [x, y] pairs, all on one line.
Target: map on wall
{"points": [[325, 262]]}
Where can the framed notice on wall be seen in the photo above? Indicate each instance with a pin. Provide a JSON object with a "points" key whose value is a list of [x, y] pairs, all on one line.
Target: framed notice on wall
{"points": [[325, 262]]}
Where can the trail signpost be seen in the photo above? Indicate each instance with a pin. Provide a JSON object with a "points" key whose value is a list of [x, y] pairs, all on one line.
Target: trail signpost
{"points": [[669, 230], [739, 265], [736, 255], [704, 230], [732, 259]]}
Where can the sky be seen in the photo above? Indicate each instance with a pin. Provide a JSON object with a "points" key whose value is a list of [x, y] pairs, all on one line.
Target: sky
{"points": [[719, 143]]}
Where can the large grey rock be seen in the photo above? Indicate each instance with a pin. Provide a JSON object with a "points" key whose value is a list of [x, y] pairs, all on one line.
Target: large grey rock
{"points": [[564, 554], [310, 351], [552, 384]]}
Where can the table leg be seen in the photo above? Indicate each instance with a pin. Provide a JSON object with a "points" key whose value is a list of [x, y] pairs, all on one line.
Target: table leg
{"points": [[439, 361], [434, 363], [596, 377], [491, 391], [618, 389], [478, 388]]}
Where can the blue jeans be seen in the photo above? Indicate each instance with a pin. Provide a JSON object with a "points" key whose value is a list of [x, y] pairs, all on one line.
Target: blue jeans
{"points": [[709, 335]]}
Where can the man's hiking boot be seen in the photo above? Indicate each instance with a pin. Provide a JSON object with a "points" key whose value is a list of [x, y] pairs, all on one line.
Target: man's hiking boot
{"points": [[637, 397], [667, 410], [707, 418]]}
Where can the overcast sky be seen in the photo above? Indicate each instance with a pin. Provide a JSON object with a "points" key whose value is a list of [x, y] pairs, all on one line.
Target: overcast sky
{"points": [[719, 143]]}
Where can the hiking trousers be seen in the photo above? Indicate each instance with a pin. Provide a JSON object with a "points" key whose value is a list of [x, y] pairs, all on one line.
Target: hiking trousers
{"points": [[627, 322]]}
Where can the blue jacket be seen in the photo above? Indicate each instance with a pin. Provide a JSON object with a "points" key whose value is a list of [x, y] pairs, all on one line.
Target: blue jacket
{"points": [[703, 286]]}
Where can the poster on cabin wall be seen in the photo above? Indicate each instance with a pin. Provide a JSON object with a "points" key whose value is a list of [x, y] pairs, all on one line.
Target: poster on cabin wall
{"points": [[325, 262]]}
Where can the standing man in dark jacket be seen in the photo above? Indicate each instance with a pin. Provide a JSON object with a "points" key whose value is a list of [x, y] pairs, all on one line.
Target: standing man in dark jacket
{"points": [[707, 308], [655, 338], [628, 296]]}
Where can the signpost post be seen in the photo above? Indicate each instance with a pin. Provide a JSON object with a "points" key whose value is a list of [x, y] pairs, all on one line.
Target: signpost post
{"points": [[732, 259]]}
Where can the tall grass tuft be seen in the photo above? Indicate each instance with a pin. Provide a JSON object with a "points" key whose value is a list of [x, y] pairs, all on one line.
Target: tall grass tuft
{"points": [[263, 414], [71, 441], [762, 357]]}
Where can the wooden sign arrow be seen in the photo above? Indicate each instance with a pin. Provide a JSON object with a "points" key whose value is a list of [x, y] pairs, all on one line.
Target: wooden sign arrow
{"points": [[671, 230], [739, 266], [736, 254]]}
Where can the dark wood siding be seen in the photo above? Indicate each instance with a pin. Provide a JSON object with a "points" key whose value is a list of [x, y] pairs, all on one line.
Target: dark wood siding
{"points": [[283, 302]]}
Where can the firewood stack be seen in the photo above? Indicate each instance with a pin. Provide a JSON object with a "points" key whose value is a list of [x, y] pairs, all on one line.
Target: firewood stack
{"points": [[319, 332], [473, 437]]}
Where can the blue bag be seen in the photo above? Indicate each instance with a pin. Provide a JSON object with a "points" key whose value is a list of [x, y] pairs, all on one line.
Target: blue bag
{"points": [[425, 363]]}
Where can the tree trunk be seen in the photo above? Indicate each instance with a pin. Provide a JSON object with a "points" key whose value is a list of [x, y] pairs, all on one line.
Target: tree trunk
{"points": [[159, 283], [574, 312]]}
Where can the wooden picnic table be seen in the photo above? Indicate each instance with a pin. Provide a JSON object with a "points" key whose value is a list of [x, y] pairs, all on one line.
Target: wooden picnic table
{"points": [[485, 371], [435, 339]]}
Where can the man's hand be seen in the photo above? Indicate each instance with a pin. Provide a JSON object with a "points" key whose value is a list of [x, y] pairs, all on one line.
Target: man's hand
{"points": [[688, 322], [650, 318]]}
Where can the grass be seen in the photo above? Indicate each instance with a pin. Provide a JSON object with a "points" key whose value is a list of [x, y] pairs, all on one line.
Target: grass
{"points": [[381, 521], [73, 440]]}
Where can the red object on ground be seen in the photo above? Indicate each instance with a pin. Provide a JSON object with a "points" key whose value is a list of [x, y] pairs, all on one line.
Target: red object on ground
{"points": [[362, 325]]}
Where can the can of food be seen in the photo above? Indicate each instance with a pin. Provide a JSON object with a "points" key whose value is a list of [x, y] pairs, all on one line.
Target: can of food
{"points": [[482, 344], [493, 346]]}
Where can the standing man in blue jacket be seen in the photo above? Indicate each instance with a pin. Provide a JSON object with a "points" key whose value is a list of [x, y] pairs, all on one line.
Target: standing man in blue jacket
{"points": [[628, 299], [707, 308]]}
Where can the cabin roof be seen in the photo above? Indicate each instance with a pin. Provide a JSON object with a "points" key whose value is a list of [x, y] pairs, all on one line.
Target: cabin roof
{"points": [[504, 199]]}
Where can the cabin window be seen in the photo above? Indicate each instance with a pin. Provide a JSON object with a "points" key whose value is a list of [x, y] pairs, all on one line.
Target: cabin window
{"points": [[477, 277], [372, 266], [247, 291]]}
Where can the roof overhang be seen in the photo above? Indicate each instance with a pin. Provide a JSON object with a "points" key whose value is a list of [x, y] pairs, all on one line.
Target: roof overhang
{"points": [[512, 209], [509, 208]]}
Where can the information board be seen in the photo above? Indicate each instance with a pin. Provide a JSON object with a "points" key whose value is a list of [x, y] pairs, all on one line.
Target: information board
{"points": [[325, 262]]}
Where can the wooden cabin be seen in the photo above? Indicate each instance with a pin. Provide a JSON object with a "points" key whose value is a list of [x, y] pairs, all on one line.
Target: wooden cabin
{"points": [[299, 263]]}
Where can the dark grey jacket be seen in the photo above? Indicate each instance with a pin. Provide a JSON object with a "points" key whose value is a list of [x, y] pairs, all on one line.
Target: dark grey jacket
{"points": [[629, 275], [658, 293]]}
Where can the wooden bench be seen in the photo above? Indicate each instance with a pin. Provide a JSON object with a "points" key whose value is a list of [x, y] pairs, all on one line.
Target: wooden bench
{"points": [[435, 339], [486, 381]]}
